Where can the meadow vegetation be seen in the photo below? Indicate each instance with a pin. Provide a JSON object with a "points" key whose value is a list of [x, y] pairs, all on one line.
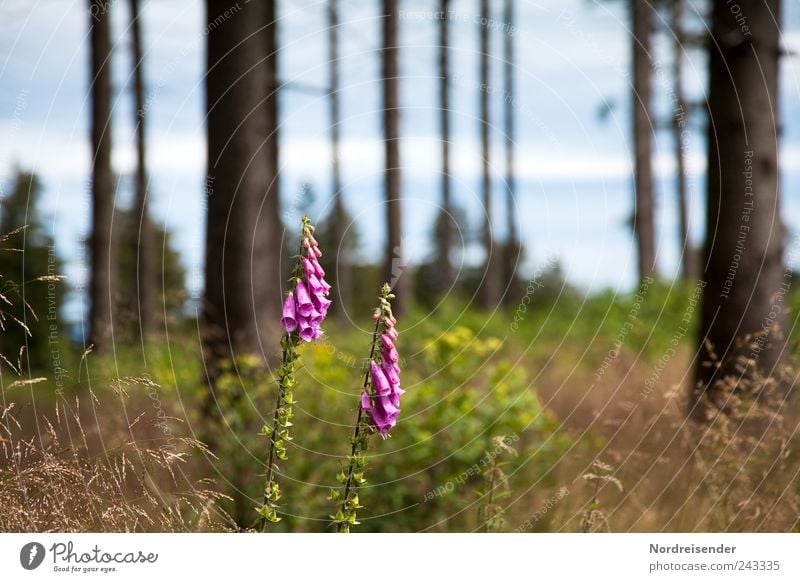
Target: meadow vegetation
{"points": [[597, 419]]}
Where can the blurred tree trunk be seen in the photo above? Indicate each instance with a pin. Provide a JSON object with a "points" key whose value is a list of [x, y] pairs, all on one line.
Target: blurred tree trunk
{"points": [[270, 224], [742, 321], [338, 224], [141, 235], [680, 125], [395, 266], [490, 284], [445, 234], [242, 296], [101, 279], [643, 219], [513, 249]]}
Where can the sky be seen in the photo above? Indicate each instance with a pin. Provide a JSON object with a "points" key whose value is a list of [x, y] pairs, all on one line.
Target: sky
{"points": [[573, 197]]}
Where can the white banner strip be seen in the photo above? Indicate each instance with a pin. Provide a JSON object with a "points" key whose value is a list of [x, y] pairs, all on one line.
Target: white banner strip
{"points": [[401, 557]]}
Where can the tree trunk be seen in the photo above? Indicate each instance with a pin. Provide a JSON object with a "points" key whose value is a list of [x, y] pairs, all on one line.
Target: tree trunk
{"points": [[746, 283], [445, 251], [269, 223], [343, 273], [643, 219], [680, 128], [242, 294], [395, 267], [513, 248], [489, 285], [101, 287], [141, 228]]}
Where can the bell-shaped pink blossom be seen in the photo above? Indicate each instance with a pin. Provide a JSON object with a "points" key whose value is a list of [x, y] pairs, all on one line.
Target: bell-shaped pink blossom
{"points": [[382, 419], [390, 370], [318, 269], [314, 284], [397, 392], [288, 320], [385, 403], [321, 303], [315, 319], [391, 354], [366, 401], [306, 333], [308, 266], [387, 342], [304, 305], [379, 382]]}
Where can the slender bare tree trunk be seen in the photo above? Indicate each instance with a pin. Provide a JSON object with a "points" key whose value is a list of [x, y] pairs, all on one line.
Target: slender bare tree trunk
{"points": [[643, 220], [269, 220], [743, 302], [395, 267], [490, 285], [242, 278], [141, 228], [680, 128], [513, 246], [445, 251], [343, 272], [101, 282]]}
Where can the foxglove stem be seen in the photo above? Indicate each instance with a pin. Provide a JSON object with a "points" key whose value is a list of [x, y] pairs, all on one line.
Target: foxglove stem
{"points": [[380, 399], [301, 323], [279, 432], [361, 432]]}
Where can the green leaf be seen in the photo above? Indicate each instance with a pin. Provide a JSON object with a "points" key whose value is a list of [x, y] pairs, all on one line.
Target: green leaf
{"points": [[269, 514]]}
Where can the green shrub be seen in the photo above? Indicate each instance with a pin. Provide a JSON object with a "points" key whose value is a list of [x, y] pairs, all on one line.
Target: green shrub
{"points": [[462, 392]]}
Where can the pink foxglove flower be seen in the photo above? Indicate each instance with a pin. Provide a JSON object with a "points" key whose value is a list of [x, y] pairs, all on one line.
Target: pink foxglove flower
{"points": [[382, 402], [392, 372], [318, 268], [304, 309], [379, 381], [307, 266], [391, 354], [306, 333], [322, 304], [304, 305], [288, 320], [310, 291], [379, 408]]}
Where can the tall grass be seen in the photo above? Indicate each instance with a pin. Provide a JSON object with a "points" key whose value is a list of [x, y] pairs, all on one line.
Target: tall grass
{"points": [[98, 459]]}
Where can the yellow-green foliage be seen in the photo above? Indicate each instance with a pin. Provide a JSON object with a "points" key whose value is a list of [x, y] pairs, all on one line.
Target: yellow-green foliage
{"points": [[462, 391]]}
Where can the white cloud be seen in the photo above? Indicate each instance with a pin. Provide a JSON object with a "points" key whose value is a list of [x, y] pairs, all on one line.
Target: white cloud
{"points": [[59, 158]]}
